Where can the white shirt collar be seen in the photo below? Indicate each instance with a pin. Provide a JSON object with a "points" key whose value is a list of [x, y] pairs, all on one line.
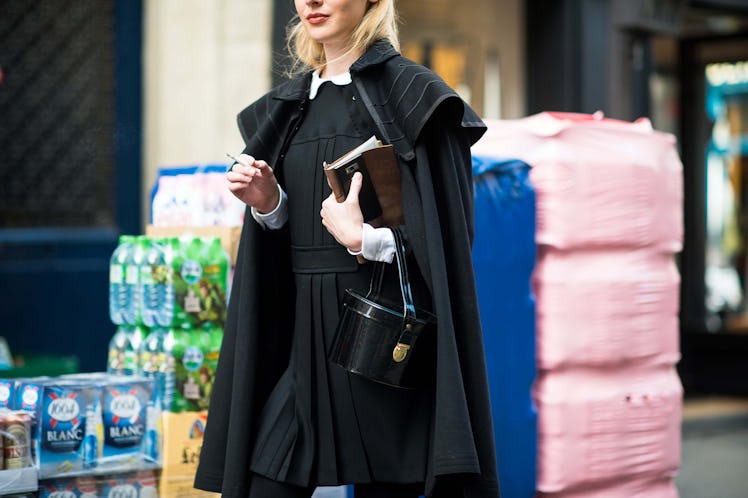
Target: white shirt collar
{"points": [[338, 79]]}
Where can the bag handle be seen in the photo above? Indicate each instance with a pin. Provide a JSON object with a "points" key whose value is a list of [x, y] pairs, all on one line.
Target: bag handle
{"points": [[375, 284], [409, 309], [377, 276], [405, 341]]}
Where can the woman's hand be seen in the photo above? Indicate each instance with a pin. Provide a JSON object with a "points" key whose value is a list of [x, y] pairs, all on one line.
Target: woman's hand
{"points": [[344, 220], [254, 183]]}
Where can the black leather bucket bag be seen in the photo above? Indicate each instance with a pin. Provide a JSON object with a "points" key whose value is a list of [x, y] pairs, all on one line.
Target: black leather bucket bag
{"points": [[384, 341]]}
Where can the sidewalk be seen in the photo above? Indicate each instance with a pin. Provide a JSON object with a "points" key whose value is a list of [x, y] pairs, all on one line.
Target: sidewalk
{"points": [[715, 448]]}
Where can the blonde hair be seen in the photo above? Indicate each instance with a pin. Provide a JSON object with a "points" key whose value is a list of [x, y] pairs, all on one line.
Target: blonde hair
{"points": [[379, 22]]}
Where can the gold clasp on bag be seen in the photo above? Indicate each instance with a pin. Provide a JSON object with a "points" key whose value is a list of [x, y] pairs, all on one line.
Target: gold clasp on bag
{"points": [[400, 352]]}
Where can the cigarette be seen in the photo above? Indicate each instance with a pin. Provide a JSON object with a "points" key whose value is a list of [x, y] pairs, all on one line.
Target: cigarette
{"points": [[237, 161]]}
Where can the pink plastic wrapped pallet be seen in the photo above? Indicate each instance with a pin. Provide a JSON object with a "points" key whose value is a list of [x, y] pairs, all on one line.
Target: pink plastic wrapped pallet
{"points": [[657, 488], [606, 308], [599, 182], [623, 423]]}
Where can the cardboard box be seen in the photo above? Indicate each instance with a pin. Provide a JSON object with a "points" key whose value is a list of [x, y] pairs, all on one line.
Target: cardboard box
{"points": [[229, 235], [182, 440]]}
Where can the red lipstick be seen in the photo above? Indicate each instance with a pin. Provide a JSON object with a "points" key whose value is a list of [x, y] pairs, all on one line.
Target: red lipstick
{"points": [[316, 18]]}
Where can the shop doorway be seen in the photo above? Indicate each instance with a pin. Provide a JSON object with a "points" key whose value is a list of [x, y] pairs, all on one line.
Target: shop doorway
{"points": [[715, 257]]}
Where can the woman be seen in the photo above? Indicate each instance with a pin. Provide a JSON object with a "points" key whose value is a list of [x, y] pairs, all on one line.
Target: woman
{"points": [[283, 419]]}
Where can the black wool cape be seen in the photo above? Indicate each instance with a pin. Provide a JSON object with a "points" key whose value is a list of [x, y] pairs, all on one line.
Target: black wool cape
{"points": [[431, 130]]}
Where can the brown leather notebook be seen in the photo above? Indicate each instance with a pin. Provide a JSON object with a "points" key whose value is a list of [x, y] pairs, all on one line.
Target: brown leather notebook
{"points": [[381, 194]]}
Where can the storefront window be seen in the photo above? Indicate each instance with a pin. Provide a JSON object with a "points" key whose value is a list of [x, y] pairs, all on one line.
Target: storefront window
{"points": [[447, 60], [726, 162]]}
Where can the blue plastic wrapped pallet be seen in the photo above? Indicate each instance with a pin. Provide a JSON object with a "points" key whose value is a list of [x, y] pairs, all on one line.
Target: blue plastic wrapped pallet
{"points": [[503, 259]]}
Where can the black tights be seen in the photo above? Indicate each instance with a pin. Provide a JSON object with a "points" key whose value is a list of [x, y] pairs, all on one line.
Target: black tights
{"points": [[263, 487]]}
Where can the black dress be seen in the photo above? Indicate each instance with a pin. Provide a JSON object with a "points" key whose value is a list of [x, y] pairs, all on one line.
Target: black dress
{"points": [[432, 130], [322, 425]]}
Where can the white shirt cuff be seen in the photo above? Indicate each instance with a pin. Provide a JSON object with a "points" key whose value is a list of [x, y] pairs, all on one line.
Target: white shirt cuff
{"points": [[377, 244], [276, 218]]}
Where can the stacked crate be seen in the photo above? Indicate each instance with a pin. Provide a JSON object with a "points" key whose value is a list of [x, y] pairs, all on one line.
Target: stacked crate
{"points": [[609, 224]]}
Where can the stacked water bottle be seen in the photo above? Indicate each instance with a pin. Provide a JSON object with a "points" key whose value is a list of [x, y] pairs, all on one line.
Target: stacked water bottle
{"points": [[167, 296]]}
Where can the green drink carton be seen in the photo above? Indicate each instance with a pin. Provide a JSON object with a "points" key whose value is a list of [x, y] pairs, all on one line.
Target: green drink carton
{"points": [[215, 283], [183, 269], [193, 369], [201, 281], [194, 355]]}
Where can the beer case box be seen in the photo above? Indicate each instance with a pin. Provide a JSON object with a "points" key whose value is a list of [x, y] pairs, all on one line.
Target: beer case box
{"points": [[182, 440], [129, 431], [90, 423], [29, 396], [7, 386], [229, 235], [140, 484], [14, 481], [135, 484], [63, 419], [71, 487]]}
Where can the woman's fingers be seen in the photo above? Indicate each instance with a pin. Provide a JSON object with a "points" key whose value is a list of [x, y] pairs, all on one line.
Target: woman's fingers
{"points": [[252, 181], [355, 188], [246, 159], [237, 175], [249, 166], [244, 173], [329, 199], [263, 169], [236, 187]]}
